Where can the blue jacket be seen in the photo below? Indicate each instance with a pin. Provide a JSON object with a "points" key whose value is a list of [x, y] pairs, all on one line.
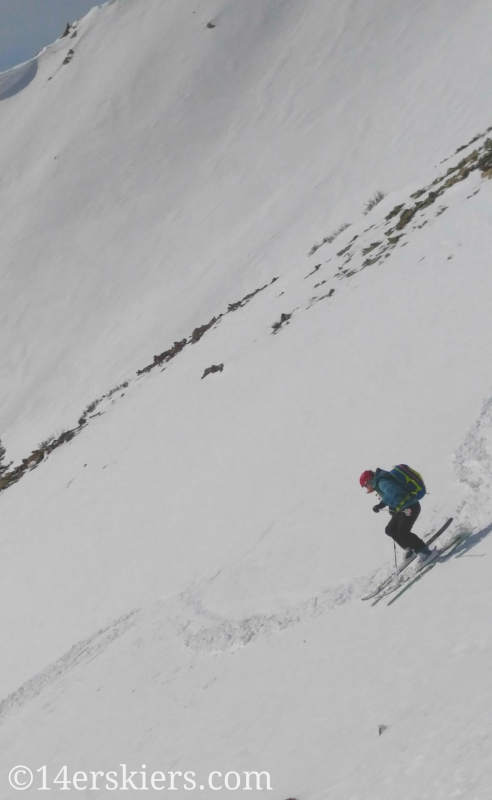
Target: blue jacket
{"points": [[390, 492]]}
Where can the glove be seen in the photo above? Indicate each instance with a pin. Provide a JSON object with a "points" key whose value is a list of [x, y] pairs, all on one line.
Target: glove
{"points": [[378, 508]]}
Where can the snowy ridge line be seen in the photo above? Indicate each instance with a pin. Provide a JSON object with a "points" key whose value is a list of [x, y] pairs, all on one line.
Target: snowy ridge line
{"points": [[12, 78], [80, 653], [479, 159], [71, 29], [400, 217], [16, 79], [72, 32], [11, 476], [197, 334]]}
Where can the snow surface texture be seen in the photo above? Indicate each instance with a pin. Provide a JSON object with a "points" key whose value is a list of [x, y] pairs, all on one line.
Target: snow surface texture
{"points": [[181, 579], [230, 149]]}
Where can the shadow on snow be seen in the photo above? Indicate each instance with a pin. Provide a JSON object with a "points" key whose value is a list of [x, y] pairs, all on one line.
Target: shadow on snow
{"points": [[15, 80]]}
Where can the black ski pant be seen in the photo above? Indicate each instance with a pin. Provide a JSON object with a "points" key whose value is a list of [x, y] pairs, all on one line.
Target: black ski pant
{"points": [[400, 528]]}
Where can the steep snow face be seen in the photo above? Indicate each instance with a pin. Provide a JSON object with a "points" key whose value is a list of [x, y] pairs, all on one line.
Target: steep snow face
{"points": [[183, 579], [181, 582], [156, 168]]}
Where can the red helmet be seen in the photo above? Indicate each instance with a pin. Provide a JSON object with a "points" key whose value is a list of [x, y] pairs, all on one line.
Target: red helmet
{"points": [[366, 476]]}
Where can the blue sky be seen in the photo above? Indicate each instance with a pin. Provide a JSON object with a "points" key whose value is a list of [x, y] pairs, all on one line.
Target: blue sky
{"points": [[26, 26]]}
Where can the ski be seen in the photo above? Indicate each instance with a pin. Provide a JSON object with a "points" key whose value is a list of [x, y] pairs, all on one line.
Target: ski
{"points": [[395, 576], [420, 571], [430, 564], [407, 584]]}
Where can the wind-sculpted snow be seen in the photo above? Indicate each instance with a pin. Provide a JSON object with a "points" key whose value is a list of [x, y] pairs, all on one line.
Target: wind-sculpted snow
{"points": [[15, 80]]}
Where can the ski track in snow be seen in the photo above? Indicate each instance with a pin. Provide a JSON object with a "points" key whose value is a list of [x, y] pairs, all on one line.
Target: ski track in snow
{"points": [[473, 461], [233, 633], [205, 518], [81, 653], [227, 634], [473, 466], [474, 471], [230, 634]]}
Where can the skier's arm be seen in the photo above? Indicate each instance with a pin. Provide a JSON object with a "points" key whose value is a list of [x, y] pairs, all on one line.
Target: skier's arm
{"points": [[391, 494]]}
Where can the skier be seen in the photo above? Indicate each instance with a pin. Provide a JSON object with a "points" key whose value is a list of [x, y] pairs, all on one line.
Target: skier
{"points": [[403, 505]]}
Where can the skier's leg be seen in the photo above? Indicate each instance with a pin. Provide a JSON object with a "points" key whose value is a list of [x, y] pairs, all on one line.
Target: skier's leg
{"points": [[407, 521], [393, 529], [400, 528]]}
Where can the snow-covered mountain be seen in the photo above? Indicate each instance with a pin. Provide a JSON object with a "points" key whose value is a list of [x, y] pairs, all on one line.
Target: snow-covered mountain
{"points": [[196, 370]]}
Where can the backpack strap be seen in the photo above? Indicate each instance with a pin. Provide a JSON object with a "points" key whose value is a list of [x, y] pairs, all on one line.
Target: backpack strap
{"points": [[407, 474]]}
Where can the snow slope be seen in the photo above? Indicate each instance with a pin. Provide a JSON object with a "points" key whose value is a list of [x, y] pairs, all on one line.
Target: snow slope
{"points": [[181, 582], [169, 168]]}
